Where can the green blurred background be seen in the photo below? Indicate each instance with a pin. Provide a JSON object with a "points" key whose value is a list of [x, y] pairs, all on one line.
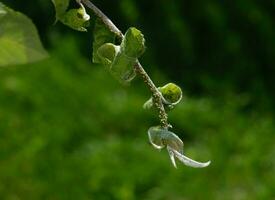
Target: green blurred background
{"points": [[69, 131]]}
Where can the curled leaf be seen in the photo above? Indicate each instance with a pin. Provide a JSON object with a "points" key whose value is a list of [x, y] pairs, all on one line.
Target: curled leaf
{"points": [[131, 48], [107, 53], [161, 138], [122, 68], [172, 95], [77, 19], [155, 137], [133, 43], [121, 59], [188, 161]]}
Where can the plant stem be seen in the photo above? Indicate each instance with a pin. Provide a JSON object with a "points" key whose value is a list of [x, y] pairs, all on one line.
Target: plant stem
{"points": [[157, 96], [103, 17]]}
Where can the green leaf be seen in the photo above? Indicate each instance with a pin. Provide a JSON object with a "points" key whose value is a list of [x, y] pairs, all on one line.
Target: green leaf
{"points": [[102, 35], [122, 68], [131, 48], [133, 43], [107, 53], [19, 40], [76, 19], [123, 57], [60, 8], [171, 93]]}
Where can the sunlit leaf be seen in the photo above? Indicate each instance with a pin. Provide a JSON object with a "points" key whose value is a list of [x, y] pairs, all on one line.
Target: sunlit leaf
{"points": [[19, 40], [76, 19]]}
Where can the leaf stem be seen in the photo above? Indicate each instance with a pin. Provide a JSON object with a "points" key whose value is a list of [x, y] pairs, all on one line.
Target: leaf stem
{"points": [[157, 96]]}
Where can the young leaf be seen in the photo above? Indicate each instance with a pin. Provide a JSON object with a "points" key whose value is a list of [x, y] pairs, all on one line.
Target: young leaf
{"points": [[107, 53], [131, 48], [76, 19], [133, 43], [172, 95], [122, 67], [60, 8], [102, 35], [19, 40]]}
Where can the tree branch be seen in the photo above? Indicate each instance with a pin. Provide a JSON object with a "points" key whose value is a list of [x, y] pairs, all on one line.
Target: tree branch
{"points": [[157, 96]]}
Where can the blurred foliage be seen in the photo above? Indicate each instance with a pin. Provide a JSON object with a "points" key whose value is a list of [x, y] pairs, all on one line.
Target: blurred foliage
{"points": [[19, 41], [68, 130]]}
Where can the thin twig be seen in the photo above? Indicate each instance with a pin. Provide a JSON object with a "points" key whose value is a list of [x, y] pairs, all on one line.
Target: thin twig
{"points": [[103, 17], [157, 96]]}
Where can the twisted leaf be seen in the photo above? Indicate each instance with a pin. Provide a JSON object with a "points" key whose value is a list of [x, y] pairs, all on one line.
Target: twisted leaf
{"points": [[161, 138]]}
